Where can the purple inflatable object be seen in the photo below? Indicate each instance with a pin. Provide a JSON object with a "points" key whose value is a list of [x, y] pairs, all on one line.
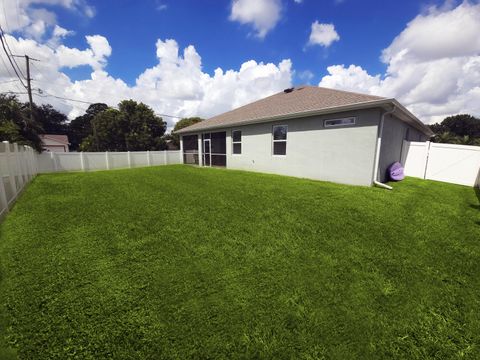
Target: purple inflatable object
{"points": [[395, 172]]}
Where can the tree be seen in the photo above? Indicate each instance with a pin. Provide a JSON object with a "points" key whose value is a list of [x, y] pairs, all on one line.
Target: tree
{"points": [[183, 123], [51, 120], [134, 126], [459, 129], [463, 125], [81, 127], [15, 123]]}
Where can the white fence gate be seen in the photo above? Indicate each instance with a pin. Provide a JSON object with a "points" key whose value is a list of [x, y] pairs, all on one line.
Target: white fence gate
{"points": [[18, 166], [457, 164], [91, 161]]}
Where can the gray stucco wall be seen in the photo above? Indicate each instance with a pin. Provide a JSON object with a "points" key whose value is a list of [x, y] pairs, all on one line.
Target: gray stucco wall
{"points": [[343, 154], [394, 132]]}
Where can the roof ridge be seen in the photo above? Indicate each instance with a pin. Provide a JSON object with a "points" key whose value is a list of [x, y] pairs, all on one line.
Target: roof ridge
{"points": [[349, 92]]}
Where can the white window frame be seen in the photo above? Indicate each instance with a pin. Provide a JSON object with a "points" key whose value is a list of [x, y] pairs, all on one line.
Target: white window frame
{"points": [[350, 118], [282, 140], [237, 142]]}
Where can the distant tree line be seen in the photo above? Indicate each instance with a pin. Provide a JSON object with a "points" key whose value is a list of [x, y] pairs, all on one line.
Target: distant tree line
{"points": [[133, 126], [461, 129]]}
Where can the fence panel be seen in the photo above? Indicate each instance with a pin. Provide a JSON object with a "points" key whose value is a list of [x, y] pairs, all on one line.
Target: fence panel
{"points": [[91, 161], [139, 158], [17, 168], [174, 157], [415, 158], [457, 164]]}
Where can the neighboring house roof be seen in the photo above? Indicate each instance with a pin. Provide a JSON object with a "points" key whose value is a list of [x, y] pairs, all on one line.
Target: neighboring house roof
{"points": [[63, 139], [301, 102]]}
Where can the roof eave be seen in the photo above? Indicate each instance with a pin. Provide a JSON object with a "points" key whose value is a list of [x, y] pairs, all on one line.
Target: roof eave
{"points": [[357, 106], [416, 122]]}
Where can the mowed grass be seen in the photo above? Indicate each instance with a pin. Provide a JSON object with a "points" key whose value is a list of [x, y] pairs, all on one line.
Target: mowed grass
{"points": [[183, 262]]}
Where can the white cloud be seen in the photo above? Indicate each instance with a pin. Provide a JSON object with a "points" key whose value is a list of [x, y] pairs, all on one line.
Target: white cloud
{"points": [[433, 65], [176, 85], [263, 15], [298, 1], [306, 76], [29, 18], [95, 56], [160, 5], [323, 34]]}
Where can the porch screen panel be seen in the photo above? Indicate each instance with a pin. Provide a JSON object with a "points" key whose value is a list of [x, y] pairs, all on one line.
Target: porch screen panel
{"points": [[219, 148], [190, 149]]}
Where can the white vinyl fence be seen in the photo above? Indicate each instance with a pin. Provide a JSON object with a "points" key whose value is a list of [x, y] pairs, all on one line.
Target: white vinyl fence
{"points": [[91, 161], [457, 164], [18, 166]]}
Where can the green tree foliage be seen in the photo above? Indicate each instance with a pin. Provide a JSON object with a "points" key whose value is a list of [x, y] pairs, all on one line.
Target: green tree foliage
{"points": [[183, 123], [51, 120], [15, 123], [81, 127], [461, 129], [133, 127]]}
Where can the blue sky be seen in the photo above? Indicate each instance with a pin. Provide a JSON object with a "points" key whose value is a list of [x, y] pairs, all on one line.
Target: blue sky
{"points": [[132, 28], [201, 58]]}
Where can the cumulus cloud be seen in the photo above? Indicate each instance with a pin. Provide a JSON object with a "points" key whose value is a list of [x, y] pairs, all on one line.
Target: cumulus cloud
{"points": [[323, 34], [433, 65], [262, 15], [175, 86]]}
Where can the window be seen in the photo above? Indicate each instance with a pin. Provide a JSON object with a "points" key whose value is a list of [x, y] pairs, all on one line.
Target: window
{"points": [[236, 142], [280, 139], [340, 122]]}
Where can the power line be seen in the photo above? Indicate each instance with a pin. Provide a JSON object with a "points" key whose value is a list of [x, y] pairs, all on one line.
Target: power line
{"points": [[8, 81], [10, 51], [9, 56], [14, 92], [91, 103]]}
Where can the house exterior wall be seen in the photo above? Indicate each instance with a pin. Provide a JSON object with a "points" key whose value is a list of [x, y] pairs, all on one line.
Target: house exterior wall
{"points": [[343, 154], [54, 146], [394, 132]]}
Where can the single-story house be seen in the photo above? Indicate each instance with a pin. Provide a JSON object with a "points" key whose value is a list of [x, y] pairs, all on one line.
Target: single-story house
{"points": [[54, 143], [308, 132]]}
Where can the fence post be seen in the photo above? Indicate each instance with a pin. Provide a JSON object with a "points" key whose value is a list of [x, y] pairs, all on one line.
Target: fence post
{"points": [[11, 175], [82, 161], [54, 161], [26, 160], [107, 160], [129, 159], [149, 162], [18, 165], [165, 157], [3, 196], [427, 151]]}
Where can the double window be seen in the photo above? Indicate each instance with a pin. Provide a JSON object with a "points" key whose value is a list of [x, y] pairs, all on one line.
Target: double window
{"points": [[280, 139], [236, 142]]}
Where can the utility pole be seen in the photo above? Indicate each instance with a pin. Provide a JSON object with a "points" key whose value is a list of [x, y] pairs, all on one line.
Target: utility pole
{"points": [[29, 81], [29, 86]]}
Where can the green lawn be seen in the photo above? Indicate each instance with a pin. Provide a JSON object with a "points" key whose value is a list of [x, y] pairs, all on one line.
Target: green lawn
{"points": [[182, 262]]}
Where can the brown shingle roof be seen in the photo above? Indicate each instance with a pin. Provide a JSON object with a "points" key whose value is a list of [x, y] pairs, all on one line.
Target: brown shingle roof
{"points": [[301, 99]]}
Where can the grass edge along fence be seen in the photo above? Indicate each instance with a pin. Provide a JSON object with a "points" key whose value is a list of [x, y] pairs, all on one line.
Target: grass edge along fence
{"points": [[18, 166]]}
